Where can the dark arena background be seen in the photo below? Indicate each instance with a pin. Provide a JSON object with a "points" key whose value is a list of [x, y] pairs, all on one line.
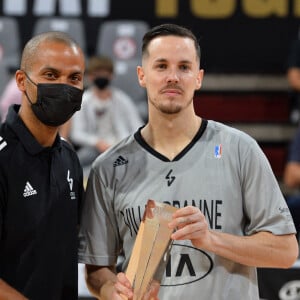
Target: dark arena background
{"points": [[245, 44]]}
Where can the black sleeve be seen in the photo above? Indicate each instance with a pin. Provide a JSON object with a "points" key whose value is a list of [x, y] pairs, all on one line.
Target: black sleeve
{"points": [[3, 201]]}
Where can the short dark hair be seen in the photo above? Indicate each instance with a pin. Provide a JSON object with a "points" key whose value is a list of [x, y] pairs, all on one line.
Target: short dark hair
{"points": [[97, 63], [169, 29]]}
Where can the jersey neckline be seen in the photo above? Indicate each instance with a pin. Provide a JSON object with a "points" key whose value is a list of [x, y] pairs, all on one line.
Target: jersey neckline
{"points": [[138, 137]]}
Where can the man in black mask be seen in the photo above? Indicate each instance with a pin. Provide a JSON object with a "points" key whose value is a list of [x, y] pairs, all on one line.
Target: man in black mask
{"points": [[41, 184], [107, 114]]}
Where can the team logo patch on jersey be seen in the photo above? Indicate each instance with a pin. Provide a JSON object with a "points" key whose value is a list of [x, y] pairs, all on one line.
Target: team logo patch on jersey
{"points": [[120, 161], [70, 181], [218, 151], [29, 190], [170, 178], [3, 143]]}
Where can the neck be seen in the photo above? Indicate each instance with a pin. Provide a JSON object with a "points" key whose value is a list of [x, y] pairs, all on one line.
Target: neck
{"points": [[170, 135], [45, 135]]}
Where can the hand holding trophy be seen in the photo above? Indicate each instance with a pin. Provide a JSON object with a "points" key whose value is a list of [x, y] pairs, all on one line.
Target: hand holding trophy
{"points": [[151, 249]]}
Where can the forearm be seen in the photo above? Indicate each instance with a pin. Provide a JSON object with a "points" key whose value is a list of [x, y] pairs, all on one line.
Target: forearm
{"points": [[9, 293], [100, 281], [260, 250]]}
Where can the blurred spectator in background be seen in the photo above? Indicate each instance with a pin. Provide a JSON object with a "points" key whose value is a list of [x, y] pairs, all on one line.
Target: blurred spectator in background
{"points": [[107, 114], [293, 76], [11, 95], [292, 179]]}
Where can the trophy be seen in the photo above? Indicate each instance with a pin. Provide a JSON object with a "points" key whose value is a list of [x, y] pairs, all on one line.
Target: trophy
{"points": [[151, 249]]}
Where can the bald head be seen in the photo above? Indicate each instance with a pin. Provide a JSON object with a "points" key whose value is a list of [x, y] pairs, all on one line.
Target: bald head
{"points": [[30, 51]]}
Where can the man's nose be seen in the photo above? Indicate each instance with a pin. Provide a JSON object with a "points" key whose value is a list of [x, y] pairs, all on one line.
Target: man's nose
{"points": [[63, 79], [172, 76]]}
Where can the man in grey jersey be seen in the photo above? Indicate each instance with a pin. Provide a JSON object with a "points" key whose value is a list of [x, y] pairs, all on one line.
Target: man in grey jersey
{"points": [[232, 216]]}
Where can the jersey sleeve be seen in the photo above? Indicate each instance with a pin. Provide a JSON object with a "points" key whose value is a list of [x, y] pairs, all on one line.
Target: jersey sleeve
{"points": [[98, 235], [264, 204]]}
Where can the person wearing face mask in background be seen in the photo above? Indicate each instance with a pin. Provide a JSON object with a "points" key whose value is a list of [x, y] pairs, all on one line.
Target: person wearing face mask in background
{"points": [[41, 180], [107, 115]]}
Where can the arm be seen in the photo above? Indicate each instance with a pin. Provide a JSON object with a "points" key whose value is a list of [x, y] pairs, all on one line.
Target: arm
{"points": [[104, 283], [291, 174], [293, 76], [262, 249], [9, 293]]}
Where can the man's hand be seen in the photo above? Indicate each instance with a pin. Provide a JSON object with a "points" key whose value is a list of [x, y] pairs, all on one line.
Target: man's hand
{"points": [[122, 290], [190, 224]]}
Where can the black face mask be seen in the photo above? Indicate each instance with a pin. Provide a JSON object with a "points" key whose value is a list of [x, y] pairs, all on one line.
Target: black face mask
{"points": [[56, 102], [101, 82]]}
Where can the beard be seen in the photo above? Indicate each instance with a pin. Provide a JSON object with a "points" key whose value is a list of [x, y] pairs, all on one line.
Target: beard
{"points": [[169, 107]]}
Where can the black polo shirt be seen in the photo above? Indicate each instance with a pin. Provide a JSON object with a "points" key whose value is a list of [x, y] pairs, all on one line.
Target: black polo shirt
{"points": [[40, 194]]}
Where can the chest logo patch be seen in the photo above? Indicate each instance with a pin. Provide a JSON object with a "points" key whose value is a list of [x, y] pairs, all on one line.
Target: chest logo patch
{"points": [[29, 190], [120, 161], [70, 181], [170, 179], [218, 151]]}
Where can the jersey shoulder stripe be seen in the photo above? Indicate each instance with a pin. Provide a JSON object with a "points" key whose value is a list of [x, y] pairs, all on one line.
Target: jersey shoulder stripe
{"points": [[3, 143]]}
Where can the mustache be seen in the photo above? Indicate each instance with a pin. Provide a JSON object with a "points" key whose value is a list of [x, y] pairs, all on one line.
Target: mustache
{"points": [[172, 86]]}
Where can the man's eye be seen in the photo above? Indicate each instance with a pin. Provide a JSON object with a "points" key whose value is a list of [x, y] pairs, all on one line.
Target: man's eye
{"points": [[76, 78], [50, 75], [184, 67], [161, 66]]}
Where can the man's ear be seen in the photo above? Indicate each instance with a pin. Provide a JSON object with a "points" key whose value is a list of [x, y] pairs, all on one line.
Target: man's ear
{"points": [[20, 80], [141, 76], [199, 79]]}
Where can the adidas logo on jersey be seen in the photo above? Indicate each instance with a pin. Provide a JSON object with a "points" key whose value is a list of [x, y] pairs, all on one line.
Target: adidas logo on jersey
{"points": [[29, 190], [120, 161]]}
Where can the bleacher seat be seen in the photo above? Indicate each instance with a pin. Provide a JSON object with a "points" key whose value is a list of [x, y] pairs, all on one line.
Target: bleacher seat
{"points": [[9, 43], [73, 26], [121, 40]]}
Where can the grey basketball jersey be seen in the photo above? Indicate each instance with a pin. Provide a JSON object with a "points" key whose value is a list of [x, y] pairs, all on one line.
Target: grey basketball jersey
{"points": [[222, 171]]}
